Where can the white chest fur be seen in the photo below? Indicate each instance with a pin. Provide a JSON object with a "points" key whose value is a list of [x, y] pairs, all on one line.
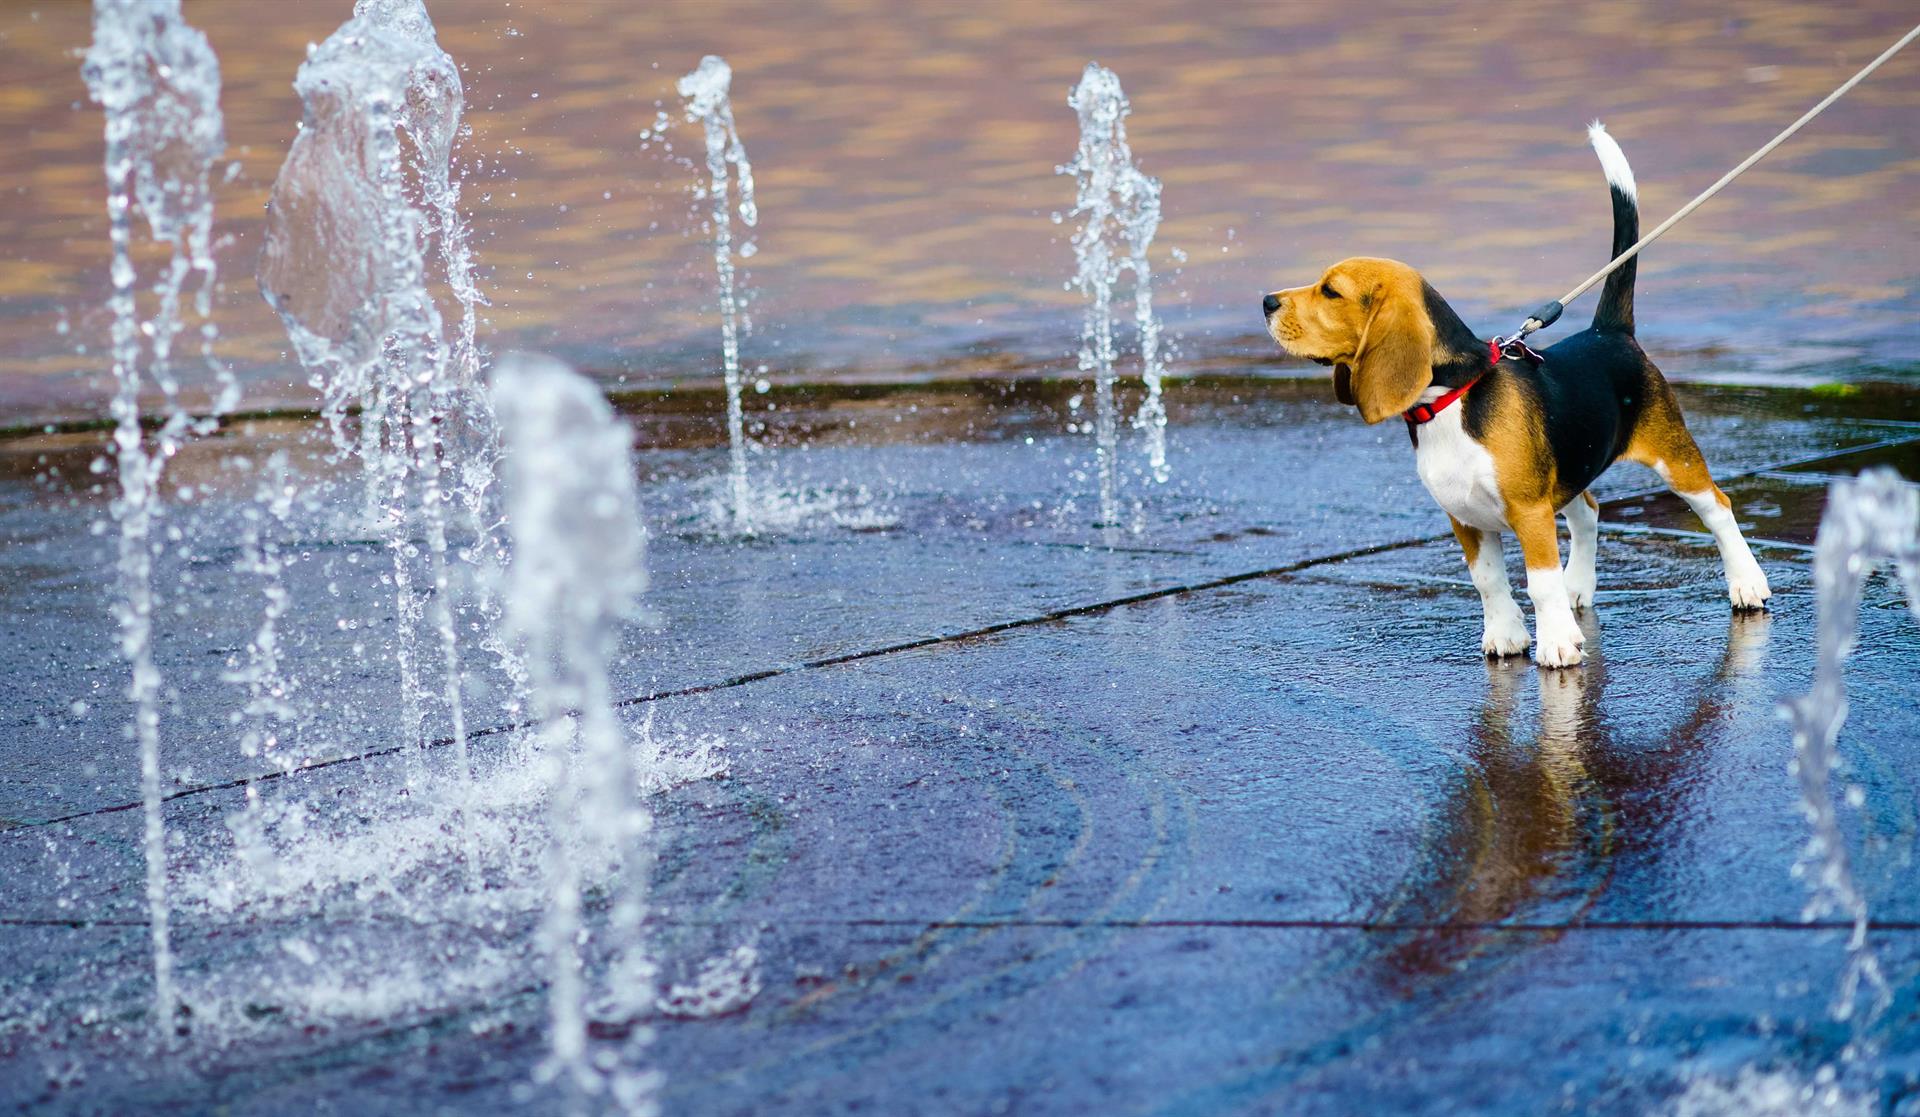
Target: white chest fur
{"points": [[1459, 472]]}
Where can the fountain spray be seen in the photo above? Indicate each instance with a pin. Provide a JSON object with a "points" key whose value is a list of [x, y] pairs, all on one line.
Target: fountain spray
{"points": [[269, 707], [366, 190], [1869, 521], [159, 83], [1121, 211], [707, 92], [578, 571]]}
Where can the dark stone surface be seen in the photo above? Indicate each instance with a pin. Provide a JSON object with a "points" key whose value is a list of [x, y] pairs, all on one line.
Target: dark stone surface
{"points": [[1282, 843]]}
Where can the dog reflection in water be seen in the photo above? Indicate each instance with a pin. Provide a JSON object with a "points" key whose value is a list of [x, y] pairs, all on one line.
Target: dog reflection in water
{"points": [[1547, 809]]}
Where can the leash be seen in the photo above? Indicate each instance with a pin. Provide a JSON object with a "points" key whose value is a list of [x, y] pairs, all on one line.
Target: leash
{"points": [[1548, 314]]}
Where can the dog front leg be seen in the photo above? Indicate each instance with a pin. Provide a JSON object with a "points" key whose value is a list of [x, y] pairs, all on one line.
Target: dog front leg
{"points": [[1557, 636], [1505, 631]]}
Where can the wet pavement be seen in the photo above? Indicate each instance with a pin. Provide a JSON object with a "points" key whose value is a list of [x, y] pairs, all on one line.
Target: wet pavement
{"points": [[1222, 814]]}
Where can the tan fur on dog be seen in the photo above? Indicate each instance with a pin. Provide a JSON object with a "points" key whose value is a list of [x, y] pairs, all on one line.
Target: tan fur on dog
{"points": [[1508, 440], [1368, 318]]}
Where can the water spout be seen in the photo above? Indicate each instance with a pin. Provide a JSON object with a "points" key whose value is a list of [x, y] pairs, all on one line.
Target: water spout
{"points": [[578, 571], [707, 92], [159, 83], [268, 708], [363, 204], [1120, 207], [1869, 521]]}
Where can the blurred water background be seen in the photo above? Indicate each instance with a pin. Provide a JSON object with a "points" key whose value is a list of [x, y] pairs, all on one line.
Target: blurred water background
{"points": [[906, 152]]}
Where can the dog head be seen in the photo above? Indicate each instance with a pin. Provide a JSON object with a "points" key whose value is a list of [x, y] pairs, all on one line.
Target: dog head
{"points": [[1368, 319]]}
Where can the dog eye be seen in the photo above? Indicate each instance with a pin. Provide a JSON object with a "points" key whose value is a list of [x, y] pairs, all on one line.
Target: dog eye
{"points": [[1327, 290]]}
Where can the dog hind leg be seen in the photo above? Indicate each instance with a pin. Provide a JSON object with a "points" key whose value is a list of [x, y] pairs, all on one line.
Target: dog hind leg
{"points": [[1662, 442]]}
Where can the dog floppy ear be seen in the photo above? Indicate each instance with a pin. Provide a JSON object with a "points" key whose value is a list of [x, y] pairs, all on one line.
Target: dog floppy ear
{"points": [[1393, 363]]}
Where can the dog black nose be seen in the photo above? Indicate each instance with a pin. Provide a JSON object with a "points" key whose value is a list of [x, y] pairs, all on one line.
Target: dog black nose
{"points": [[1270, 304]]}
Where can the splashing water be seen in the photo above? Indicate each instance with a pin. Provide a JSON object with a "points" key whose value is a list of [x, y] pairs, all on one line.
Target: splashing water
{"points": [[579, 554], [706, 91], [159, 84], [1120, 207], [268, 708], [1870, 520], [344, 260], [365, 245], [366, 190], [1758, 1093], [469, 438], [1151, 417]]}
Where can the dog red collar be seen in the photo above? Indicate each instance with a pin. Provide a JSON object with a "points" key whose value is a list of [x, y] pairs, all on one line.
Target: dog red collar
{"points": [[1424, 413]]}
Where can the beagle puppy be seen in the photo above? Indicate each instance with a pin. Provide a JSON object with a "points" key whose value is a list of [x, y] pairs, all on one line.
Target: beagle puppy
{"points": [[1503, 443]]}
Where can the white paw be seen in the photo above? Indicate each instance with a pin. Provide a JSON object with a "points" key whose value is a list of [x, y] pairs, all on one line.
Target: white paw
{"points": [[1580, 587], [1559, 642], [1748, 589], [1505, 635]]}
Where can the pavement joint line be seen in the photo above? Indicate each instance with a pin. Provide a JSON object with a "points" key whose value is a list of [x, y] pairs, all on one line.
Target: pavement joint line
{"points": [[1064, 545], [732, 682], [1801, 463], [1391, 926], [1051, 617], [1700, 537], [1364, 925], [1896, 424]]}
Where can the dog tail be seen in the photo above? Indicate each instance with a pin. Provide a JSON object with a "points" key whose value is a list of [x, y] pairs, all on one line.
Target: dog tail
{"points": [[1615, 311]]}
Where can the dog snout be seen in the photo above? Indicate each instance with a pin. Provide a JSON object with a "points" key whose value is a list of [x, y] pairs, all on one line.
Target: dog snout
{"points": [[1270, 304]]}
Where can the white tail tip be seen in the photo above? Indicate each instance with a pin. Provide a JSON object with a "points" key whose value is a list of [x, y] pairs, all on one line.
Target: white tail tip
{"points": [[1612, 160]]}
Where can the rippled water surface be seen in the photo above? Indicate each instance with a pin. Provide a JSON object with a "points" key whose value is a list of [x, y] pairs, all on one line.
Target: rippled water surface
{"points": [[906, 157]]}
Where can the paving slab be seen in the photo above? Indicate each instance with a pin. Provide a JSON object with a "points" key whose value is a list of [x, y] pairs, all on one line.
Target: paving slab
{"points": [[1228, 816]]}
